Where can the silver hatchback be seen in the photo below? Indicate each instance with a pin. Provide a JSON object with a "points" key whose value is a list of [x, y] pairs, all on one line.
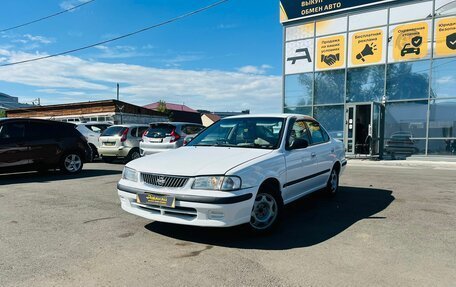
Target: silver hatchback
{"points": [[166, 136], [121, 141]]}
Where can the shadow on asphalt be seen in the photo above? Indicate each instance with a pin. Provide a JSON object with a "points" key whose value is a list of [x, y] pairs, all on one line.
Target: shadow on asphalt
{"points": [[306, 222], [30, 177]]}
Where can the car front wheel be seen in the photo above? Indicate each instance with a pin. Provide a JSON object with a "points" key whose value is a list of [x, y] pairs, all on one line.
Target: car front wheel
{"points": [[71, 163], [266, 212]]}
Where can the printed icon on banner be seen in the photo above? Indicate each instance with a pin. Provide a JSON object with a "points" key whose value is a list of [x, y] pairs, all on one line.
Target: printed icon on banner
{"points": [[410, 41], [330, 52], [305, 55], [330, 59], [367, 51], [451, 41], [413, 47]]}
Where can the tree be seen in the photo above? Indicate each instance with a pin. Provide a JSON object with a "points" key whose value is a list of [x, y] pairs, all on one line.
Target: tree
{"points": [[163, 109], [2, 113]]}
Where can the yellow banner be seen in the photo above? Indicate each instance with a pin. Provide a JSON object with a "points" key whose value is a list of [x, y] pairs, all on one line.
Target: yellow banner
{"points": [[331, 52], [445, 37], [410, 41], [367, 47]]}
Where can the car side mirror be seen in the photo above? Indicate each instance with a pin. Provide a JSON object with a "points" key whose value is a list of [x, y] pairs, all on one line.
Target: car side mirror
{"points": [[299, 144], [187, 140]]}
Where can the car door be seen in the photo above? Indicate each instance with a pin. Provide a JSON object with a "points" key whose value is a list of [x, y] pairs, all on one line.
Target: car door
{"points": [[301, 164], [322, 150], [43, 142], [14, 149]]}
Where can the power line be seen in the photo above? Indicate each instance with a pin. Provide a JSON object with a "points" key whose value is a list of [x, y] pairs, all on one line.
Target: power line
{"points": [[119, 37], [47, 17]]}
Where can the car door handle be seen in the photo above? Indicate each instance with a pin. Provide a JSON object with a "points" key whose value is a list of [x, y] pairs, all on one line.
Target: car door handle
{"points": [[313, 154]]}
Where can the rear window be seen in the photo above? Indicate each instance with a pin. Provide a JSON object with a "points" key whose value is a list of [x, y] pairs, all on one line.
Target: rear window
{"points": [[159, 131], [113, 131], [96, 127]]}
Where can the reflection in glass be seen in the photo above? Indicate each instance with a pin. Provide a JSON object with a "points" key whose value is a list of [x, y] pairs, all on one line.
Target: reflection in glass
{"points": [[411, 12], [366, 84], [299, 110], [444, 78], [409, 80], [298, 90], [332, 118], [329, 87], [445, 7], [442, 121], [368, 19], [331, 26], [299, 31], [442, 147], [406, 118], [401, 146]]}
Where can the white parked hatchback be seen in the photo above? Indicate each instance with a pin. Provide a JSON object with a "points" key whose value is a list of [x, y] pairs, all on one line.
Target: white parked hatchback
{"points": [[240, 170]]}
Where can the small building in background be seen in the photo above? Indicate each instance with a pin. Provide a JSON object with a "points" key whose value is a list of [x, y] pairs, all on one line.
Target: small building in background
{"points": [[178, 113], [9, 102], [209, 119], [116, 112]]}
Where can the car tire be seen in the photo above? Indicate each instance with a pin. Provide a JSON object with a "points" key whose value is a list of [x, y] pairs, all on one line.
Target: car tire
{"points": [[94, 153], [266, 211], [332, 187], [108, 159], [132, 155], [71, 163]]}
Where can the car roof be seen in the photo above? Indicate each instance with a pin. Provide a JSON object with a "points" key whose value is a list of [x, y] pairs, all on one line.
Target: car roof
{"points": [[283, 116], [175, 123], [130, 125], [5, 120], [94, 123]]}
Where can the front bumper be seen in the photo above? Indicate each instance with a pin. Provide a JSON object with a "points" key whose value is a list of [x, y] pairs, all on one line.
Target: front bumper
{"points": [[196, 210]]}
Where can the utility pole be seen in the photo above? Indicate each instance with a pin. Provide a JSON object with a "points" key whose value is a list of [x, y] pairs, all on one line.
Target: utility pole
{"points": [[117, 91]]}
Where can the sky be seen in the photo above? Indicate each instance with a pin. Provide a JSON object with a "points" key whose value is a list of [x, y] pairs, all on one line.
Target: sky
{"points": [[225, 59]]}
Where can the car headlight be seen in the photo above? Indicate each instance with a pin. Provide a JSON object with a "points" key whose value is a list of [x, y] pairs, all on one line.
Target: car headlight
{"points": [[224, 183], [130, 174]]}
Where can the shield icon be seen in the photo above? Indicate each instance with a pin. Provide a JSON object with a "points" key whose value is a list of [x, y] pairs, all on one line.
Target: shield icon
{"points": [[417, 41], [451, 41]]}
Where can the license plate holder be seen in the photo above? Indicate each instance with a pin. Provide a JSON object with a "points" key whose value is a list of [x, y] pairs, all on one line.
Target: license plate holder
{"points": [[155, 199], [156, 140]]}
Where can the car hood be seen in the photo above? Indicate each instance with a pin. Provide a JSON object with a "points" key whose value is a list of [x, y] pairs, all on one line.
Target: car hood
{"points": [[192, 161]]}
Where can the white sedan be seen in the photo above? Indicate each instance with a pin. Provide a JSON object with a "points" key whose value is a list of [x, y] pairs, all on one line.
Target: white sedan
{"points": [[240, 170]]}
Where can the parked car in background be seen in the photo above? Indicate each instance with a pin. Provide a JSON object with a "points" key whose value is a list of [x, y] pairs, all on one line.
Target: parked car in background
{"points": [[29, 144], [166, 136], [240, 170], [92, 131], [401, 144], [121, 142]]}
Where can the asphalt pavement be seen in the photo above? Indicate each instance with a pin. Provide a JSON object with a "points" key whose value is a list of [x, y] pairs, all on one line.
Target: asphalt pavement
{"points": [[390, 225]]}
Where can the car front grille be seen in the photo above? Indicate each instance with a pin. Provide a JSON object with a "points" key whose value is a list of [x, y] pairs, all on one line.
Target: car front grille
{"points": [[164, 180]]}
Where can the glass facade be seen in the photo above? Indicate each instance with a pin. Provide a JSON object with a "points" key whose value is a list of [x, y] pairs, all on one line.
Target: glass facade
{"points": [[365, 57]]}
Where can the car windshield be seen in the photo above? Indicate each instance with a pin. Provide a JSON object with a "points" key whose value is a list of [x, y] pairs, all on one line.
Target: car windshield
{"points": [[242, 132], [112, 131]]}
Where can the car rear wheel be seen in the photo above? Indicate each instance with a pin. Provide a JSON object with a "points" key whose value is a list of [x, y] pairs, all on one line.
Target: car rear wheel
{"points": [[133, 154], [71, 163], [266, 212]]}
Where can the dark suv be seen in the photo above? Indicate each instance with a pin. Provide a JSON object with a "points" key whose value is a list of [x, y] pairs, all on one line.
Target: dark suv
{"points": [[29, 144]]}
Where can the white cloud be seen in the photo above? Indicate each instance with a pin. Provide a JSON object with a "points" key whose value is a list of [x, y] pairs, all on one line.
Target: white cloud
{"points": [[445, 80], [71, 79], [261, 70], [68, 4], [118, 52]]}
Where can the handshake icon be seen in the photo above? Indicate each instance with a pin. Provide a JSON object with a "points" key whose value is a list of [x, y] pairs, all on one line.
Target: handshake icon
{"points": [[330, 59]]}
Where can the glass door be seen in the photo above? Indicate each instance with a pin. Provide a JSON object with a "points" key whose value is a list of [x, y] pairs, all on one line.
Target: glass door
{"points": [[350, 129]]}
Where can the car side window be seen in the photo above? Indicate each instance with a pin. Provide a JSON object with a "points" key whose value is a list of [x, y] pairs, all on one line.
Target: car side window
{"points": [[40, 131], [317, 134], [134, 132], [298, 131], [12, 131]]}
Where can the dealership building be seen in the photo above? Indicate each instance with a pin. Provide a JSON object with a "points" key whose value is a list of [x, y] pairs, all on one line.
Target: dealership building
{"points": [[380, 75]]}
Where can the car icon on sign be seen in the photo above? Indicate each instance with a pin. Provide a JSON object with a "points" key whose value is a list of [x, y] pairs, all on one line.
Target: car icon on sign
{"points": [[409, 49]]}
